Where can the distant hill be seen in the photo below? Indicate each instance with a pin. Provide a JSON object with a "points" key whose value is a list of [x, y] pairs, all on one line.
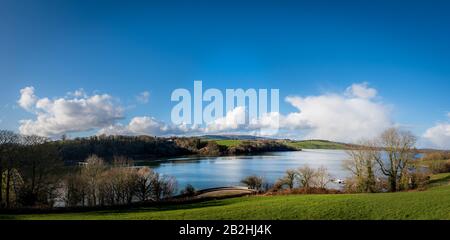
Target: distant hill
{"points": [[318, 144], [235, 140], [232, 137]]}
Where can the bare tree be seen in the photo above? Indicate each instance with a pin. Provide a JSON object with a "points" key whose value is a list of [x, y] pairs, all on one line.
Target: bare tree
{"points": [[305, 177], [156, 187], [169, 184], [143, 183], [124, 179], [39, 165], [253, 182], [361, 164], [322, 177], [117, 183], [400, 151], [3, 142], [162, 186], [189, 191], [9, 149], [91, 172], [75, 190], [289, 178]]}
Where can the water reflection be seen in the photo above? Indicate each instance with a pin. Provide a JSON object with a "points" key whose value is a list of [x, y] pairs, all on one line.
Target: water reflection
{"points": [[207, 172]]}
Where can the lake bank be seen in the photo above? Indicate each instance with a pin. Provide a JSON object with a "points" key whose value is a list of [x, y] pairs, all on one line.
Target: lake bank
{"points": [[413, 205], [209, 172]]}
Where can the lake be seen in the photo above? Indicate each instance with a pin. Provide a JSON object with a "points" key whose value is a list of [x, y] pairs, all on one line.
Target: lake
{"points": [[208, 172]]}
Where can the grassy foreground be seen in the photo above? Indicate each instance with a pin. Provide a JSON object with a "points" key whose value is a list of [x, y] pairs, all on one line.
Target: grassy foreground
{"points": [[433, 203]]}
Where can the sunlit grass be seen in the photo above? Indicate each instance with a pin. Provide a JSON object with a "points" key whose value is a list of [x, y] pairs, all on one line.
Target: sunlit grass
{"points": [[430, 204], [316, 144], [229, 143]]}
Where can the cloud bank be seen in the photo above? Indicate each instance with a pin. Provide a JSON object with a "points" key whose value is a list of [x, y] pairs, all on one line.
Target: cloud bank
{"points": [[73, 113], [347, 116], [27, 98], [145, 125], [439, 135]]}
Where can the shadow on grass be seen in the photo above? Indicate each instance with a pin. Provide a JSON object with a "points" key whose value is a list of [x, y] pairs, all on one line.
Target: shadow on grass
{"points": [[184, 206], [8, 217], [134, 208], [440, 181]]}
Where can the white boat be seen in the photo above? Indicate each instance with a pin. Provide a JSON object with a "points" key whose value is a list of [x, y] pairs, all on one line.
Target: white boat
{"points": [[338, 181]]}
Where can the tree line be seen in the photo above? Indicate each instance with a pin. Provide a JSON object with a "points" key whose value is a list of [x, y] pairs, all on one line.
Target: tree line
{"points": [[302, 180], [36, 171], [147, 147], [29, 166], [96, 183], [33, 174], [387, 163]]}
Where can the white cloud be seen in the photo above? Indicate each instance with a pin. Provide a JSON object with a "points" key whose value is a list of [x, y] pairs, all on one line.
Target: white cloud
{"points": [[78, 93], [439, 135], [63, 115], [232, 123], [143, 97], [339, 117], [145, 125], [348, 117], [27, 98], [361, 90], [233, 120]]}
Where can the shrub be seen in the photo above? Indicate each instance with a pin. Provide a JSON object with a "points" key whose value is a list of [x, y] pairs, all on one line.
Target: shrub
{"points": [[162, 186], [438, 166], [188, 191], [355, 184], [253, 182], [213, 149], [436, 156], [418, 180], [278, 186]]}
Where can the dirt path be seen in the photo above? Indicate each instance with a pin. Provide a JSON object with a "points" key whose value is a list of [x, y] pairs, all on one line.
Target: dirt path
{"points": [[224, 192]]}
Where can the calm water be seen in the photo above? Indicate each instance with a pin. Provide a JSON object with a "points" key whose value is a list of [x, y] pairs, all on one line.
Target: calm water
{"points": [[207, 172]]}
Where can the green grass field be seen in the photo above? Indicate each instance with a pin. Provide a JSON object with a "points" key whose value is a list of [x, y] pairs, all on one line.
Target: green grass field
{"points": [[433, 203], [228, 143], [316, 144], [306, 144]]}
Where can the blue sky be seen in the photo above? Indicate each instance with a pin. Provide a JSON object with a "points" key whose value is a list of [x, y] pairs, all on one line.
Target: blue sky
{"points": [[305, 49]]}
